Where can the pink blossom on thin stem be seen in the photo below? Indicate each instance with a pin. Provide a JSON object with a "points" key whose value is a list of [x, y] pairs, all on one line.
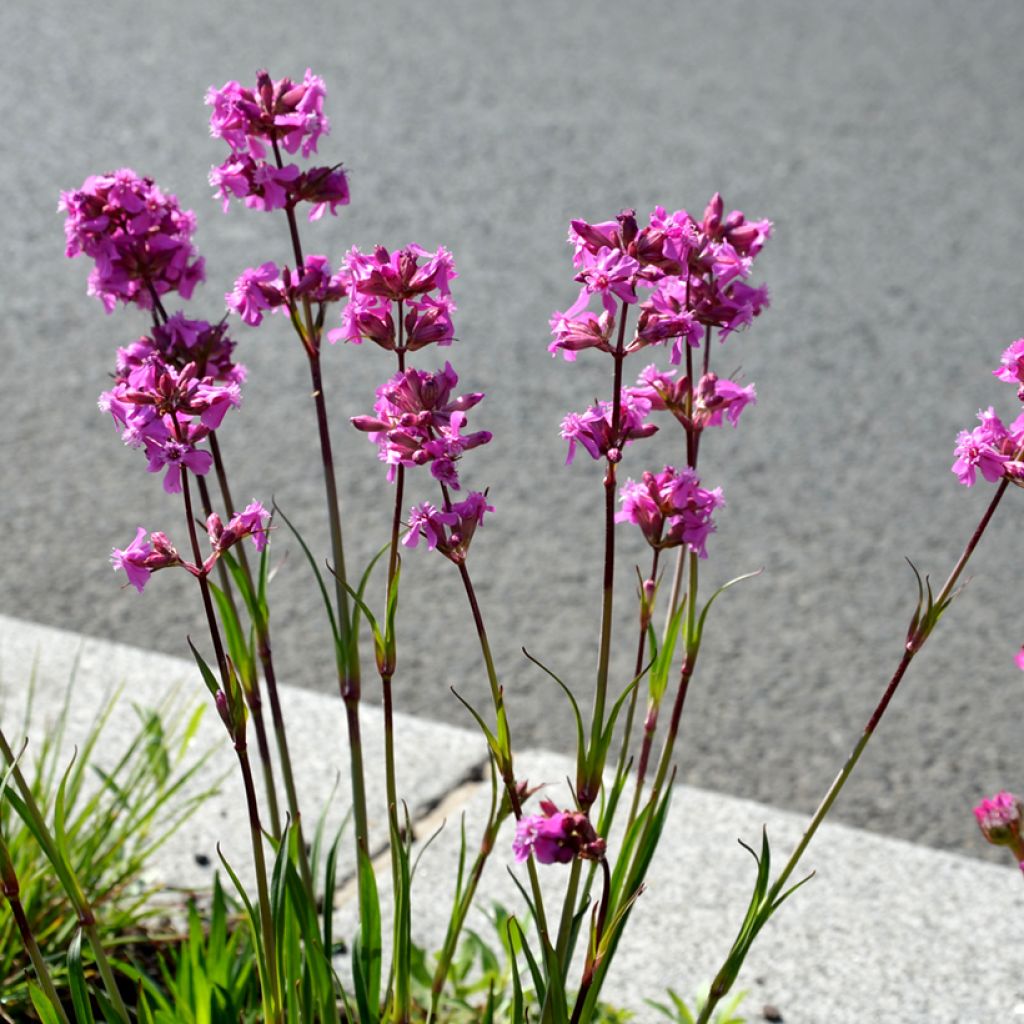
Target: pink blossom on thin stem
{"points": [[141, 558], [412, 277], [671, 509], [449, 531], [417, 422], [267, 289], [715, 399], [595, 433], [1000, 819], [138, 237], [696, 271], [556, 837], [253, 521], [992, 449], [284, 111]]}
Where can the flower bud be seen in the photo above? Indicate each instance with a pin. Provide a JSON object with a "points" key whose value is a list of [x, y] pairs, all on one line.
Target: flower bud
{"points": [[999, 819]]}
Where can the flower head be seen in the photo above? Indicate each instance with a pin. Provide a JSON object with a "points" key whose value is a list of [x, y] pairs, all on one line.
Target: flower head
{"points": [[999, 819], [142, 558], [138, 237], [696, 271], [595, 432], [993, 449], [556, 837], [671, 508], [450, 531], [418, 423], [282, 111], [415, 279]]}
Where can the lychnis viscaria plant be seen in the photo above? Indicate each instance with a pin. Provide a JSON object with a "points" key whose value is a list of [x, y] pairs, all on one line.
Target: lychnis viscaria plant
{"points": [[672, 288]]}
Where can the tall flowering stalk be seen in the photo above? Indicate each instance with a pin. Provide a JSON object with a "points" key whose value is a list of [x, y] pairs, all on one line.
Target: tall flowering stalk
{"points": [[687, 280], [995, 451], [258, 124]]}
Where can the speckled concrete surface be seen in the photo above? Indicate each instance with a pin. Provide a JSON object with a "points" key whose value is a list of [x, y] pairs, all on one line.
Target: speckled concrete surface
{"points": [[432, 760], [882, 141]]}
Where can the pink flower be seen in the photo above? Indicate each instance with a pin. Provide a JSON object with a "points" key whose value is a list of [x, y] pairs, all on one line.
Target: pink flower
{"points": [[172, 454], [275, 111], [671, 508], [253, 522], [1011, 367], [594, 431], [697, 271], [451, 531], [991, 448], [139, 239], [717, 397], [587, 330], [999, 819], [257, 289], [141, 558], [415, 278], [417, 423], [556, 837]]}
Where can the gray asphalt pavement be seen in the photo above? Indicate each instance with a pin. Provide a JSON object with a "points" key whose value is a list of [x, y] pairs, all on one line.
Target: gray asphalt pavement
{"points": [[884, 140]]}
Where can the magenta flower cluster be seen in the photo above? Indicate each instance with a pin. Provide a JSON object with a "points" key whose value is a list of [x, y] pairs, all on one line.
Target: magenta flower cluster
{"points": [[671, 508], [138, 237], [688, 279], [257, 124], [994, 449], [143, 557], [449, 531], [167, 411], [691, 277], [556, 837], [380, 280], [418, 423], [267, 288], [595, 432], [1001, 820]]}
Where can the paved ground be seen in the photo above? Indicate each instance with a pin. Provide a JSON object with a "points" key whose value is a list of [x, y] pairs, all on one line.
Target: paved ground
{"points": [[882, 141]]}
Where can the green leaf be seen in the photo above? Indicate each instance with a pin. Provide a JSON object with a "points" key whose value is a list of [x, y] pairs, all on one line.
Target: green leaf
{"points": [[76, 979], [366, 952], [208, 677], [43, 1007], [581, 743], [711, 600], [328, 607]]}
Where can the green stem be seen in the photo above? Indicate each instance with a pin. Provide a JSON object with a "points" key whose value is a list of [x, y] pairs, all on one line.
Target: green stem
{"points": [[69, 881], [497, 815], [252, 697], [507, 773], [917, 639], [259, 861], [263, 646], [12, 891], [608, 588]]}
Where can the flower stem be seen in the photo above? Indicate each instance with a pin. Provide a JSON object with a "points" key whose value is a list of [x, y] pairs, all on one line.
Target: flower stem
{"points": [[69, 881], [237, 732], [918, 637], [12, 891], [252, 690], [264, 652]]}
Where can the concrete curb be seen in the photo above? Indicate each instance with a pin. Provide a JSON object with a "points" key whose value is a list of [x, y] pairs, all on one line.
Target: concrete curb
{"points": [[887, 931]]}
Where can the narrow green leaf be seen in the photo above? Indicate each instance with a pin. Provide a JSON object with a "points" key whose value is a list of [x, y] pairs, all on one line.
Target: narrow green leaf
{"points": [[43, 1007], [208, 677], [581, 743], [76, 980], [328, 606], [711, 600]]}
